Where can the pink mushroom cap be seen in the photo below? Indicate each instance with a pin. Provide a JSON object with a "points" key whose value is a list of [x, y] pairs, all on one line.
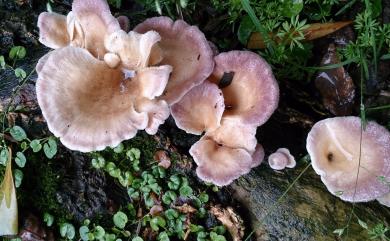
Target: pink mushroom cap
{"points": [[281, 159], [220, 164], [334, 148], [253, 94], [200, 109], [186, 49]]}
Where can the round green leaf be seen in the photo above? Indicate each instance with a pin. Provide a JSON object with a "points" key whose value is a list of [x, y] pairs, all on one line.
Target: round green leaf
{"points": [[84, 231], [35, 145], [20, 73], [18, 133], [18, 175], [120, 220], [67, 230], [185, 191], [163, 236], [20, 159], [137, 239], [17, 52], [99, 232], [50, 148]]}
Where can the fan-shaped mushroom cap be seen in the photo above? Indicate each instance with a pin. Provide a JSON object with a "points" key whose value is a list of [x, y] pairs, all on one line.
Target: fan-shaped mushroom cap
{"points": [[53, 30], [200, 109], [186, 49], [96, 21], [334, 148], [281, 159], [219, 164], [234, 134], [88, 104], [253, 94]]}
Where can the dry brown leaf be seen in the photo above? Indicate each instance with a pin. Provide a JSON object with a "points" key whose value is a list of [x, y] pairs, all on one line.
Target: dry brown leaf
{"points": [[314, 31], [232, 221], [185, 208]]}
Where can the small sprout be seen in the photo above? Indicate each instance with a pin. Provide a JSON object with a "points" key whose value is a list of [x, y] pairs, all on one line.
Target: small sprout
{"points": [[35, 145], [67, 230], [120, 220], [50, 148], [137, 239], [133, 154], [203, 197], [18, 133], [18, 174]]}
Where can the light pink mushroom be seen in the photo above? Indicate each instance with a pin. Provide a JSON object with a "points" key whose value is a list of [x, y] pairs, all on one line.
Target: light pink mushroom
{"points": [[86, 26], [200, 109], [186, 49], [90, 105], [384, 200], [124, 23], [337, 156], [253, 94], [220, 164], [281, 159]]}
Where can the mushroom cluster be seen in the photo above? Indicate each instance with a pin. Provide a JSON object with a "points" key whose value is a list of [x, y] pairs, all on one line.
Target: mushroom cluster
{"points": [[240, 95], [99, 86], [353, 162]]}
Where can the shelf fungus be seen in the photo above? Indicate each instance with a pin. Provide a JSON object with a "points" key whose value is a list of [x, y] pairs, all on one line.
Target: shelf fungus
{"points": [[353, 162], [102, 91], [281, 159], [186, 49], [240, 95]]}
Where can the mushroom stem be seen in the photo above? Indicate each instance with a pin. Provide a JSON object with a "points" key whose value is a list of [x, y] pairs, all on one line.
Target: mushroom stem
{"points": [[346, 154]]}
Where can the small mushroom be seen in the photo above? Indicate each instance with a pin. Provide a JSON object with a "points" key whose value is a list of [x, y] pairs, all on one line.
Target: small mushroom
{"points": [[124, 23], [281, 159], [349, 158], [252, 94], [186, 49], [200, 109], [220, 164]]}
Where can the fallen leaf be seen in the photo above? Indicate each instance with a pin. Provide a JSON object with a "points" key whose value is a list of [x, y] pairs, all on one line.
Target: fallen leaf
{"points": [[314, 31]]}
